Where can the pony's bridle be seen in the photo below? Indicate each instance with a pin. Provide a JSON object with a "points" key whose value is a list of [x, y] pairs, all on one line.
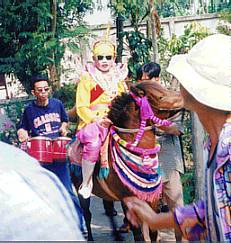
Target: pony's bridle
{"points": [[146, 113]]}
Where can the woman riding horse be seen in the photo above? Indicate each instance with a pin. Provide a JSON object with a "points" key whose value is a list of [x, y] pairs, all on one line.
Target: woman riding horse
{"points": [[132, 157]]}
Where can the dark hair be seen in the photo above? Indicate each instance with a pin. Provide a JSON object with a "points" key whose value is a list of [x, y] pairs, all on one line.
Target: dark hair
{"points": [[139, 73], [152, 69], [38, 78]]}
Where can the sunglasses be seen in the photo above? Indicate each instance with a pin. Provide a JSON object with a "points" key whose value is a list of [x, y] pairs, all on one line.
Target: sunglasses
{"points": [[40, 90], [100, 58]]}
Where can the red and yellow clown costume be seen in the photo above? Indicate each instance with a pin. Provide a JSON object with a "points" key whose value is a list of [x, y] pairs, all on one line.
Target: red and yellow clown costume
{"points": [[94, 94]]}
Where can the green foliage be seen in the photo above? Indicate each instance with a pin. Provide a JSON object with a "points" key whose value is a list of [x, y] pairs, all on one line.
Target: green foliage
{"points": [[219, 6], [13, 110], [32, 35], [9, 135], [224, 27], [173, 8], [193, 33], [139, 45], [188, 183], [140, 50], [133, 10], [187, 141], [67, 95]]}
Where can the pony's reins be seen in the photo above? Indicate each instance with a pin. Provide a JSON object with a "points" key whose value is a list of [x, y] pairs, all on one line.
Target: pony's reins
{"points": [[132, 130], [146, 113]]}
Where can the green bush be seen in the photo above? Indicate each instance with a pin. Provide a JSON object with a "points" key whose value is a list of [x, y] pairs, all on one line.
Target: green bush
{"points": [[140, 51], [188, 183], [13, 110], [8, 132], [193, 33], [66, 94], [224, 27]]}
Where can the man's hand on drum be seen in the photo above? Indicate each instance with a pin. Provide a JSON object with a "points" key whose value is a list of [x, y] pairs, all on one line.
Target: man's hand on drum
{"points": [[63, 129], [22, 135]]}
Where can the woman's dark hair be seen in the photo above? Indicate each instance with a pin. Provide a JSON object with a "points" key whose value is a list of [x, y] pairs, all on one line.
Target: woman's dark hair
{"points": [[139, 73], [152, 69]]}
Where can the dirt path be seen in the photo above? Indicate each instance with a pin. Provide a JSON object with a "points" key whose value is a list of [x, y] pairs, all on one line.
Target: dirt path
{"points": [[101, 225]]}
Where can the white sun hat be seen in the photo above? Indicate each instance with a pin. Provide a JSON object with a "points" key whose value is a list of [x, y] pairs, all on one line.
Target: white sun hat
{"points": [[205, 72]]}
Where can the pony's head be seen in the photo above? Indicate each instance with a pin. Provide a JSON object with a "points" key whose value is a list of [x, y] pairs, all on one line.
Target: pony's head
{"points": [[163, 102]]}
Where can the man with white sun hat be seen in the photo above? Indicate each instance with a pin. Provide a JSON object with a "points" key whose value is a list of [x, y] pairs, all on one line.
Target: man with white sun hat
{"points": [[205, 77], [206, 71]]}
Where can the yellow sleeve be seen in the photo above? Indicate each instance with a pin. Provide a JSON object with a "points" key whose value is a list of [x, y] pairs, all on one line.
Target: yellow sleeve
{"points": [[122, 87], [83, 99]]}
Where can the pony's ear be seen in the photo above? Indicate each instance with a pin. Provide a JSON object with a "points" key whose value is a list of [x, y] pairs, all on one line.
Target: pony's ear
{"points": [[137, 91]]}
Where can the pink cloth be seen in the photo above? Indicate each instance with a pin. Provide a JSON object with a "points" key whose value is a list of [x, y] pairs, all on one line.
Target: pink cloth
{"points": [[92, 136]]}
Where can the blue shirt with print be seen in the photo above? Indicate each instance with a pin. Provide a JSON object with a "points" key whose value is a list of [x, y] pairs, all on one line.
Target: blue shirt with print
{"points": [[44, 120]]}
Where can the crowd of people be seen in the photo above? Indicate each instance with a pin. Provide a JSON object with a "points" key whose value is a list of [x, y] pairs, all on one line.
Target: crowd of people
{"points": [[47, 187]]}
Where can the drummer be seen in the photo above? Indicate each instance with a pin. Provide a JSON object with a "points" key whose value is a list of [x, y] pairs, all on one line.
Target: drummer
{"points": [[47, 117]]}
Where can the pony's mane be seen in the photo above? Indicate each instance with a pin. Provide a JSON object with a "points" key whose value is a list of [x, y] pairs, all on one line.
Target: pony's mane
{"points": [[120, 107], [119, 110]]}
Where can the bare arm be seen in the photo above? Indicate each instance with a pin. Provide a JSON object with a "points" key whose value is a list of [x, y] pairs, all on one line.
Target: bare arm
{"points": [[190, 219], [63, 129], [139, 212]]}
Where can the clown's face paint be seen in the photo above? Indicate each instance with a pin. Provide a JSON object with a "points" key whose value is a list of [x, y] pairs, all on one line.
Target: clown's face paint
{"points": [[104, 62]]}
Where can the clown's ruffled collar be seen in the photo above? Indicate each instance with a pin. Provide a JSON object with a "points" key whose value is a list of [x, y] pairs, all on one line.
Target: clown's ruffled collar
{"points": [[108, 81]]}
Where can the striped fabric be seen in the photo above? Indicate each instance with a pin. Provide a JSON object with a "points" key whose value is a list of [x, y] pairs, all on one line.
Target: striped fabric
{"points": [[139, 174]]}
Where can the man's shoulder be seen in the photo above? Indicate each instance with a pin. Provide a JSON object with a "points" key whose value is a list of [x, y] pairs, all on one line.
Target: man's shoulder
{"points": [[29, 106], [55, 101]]}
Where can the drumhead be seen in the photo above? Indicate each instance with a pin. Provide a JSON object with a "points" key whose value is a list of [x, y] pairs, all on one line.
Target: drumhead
{"points": [[40, 138], [62, 138]]}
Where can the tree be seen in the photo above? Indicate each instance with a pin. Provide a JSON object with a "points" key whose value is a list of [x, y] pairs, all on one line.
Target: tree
{"points": [[134, 11], [169, 8], [155, 27], [32, 35]]}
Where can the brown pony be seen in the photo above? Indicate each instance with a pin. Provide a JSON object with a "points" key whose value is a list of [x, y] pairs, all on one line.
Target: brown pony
{"points": [[125, 113]]}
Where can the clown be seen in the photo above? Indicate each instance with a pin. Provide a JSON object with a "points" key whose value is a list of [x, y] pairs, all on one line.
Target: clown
{"points": [[98, 85]]}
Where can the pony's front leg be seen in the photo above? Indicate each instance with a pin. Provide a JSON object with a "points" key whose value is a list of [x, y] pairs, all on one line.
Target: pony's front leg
{"points": [[85, 205]]}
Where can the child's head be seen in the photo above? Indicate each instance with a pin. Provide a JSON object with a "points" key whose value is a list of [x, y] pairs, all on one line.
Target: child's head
{"points": [[104, 55], [151, 71]]}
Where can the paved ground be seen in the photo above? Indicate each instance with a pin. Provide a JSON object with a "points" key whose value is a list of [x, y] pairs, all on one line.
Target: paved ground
{"points": [[101, 225]]}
